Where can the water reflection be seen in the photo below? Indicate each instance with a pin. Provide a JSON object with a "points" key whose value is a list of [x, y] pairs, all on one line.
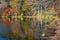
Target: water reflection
{"points": [[27, 29]]}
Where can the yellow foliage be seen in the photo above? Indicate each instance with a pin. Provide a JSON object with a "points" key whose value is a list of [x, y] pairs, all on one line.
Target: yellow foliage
{"points": [[26, 4], [52, 10], [14, 3]]}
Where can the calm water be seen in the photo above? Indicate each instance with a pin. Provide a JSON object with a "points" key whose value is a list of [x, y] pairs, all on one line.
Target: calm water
{"points": [[27, 29]]}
